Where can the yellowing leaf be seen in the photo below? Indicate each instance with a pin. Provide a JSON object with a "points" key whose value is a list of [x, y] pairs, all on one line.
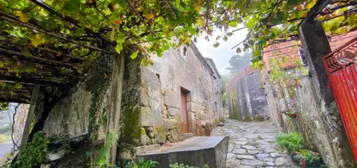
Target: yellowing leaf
{"points": [[117, 22], [18, 86], [197, 7], [37, 40], [311, 4], [119, 48], [134, 55], [22, 16], [149, 16]]}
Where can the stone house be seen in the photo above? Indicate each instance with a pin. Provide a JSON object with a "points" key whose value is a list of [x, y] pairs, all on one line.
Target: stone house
{"points": [[179, 95], [247, 96], [296, 106]]}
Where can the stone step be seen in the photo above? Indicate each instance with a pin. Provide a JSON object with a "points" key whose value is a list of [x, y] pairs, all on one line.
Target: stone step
{"points": [[195, 151]]}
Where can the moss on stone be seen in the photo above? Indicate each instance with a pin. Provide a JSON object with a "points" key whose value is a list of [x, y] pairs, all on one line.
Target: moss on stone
{"points": [[131, 131], [142, 131], [97, 84], [160, 132]]}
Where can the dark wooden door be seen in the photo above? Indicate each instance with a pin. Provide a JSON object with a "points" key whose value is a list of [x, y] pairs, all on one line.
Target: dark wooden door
{"points": [[184, 111]]}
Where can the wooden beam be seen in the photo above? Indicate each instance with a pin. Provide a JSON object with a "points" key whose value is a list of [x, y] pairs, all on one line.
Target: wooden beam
{"points": [[316, 9], [37, 59], [31, 81], [68, 19], [33, 103], [14, 100], [10, 18], [116, 102]]}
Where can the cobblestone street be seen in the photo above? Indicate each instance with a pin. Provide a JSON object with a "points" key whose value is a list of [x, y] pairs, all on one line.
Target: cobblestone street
{"points": [[252, 145]]}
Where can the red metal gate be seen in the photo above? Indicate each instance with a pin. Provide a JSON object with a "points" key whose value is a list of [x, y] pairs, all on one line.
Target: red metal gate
{"points": [[341, 66]]}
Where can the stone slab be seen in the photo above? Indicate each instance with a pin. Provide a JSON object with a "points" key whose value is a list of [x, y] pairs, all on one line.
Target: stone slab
{"points": [[195, 151]]}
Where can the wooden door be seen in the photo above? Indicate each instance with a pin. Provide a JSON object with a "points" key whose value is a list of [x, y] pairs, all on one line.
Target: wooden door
{"points": [[184, 111]]}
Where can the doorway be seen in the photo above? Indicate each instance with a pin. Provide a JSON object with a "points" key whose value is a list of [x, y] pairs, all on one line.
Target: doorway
{"points": [[184, 110]]}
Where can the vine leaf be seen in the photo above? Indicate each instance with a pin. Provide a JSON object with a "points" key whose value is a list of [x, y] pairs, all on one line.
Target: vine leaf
{"points": [[233, 23], [22, 16], [119, 48], [72, 5], [134, 55], [149, 16], [37, 40]]}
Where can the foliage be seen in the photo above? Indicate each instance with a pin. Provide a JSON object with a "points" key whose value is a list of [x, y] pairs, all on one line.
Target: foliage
{"points": [[310, 158], [152, 24], [142, 164], [102, 159], [292, 142], [83, 29], [4, 106], [180, 165], [33, 153]]}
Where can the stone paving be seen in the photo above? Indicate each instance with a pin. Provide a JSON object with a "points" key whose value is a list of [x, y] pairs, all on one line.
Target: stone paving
{"points": [[252, 145]]}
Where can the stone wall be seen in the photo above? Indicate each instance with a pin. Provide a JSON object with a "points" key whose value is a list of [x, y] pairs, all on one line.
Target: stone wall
{"points": [[83, 115], [247, 97], [160, 96], [318, 122], [150, 106]]}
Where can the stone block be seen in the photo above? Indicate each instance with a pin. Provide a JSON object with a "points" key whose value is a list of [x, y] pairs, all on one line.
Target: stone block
{"points": [[195, 151], [173, 111], [170, 123], [172, 99], [146, 117]]}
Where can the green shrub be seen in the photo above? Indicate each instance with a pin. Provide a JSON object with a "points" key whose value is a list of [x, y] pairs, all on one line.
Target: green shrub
{"points": [[310, 158], [33, 153], [142, 164], [180, 165], [292, 142]]}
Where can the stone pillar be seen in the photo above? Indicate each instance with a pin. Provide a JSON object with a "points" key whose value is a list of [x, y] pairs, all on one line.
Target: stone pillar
{"points": [[316, 45]]}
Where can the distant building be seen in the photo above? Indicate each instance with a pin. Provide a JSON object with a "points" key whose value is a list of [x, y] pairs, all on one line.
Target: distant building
{"points": [[246, 96]]}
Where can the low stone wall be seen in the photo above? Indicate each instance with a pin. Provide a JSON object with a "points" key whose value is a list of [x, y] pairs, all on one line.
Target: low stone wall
{"points": [[318, 122]]}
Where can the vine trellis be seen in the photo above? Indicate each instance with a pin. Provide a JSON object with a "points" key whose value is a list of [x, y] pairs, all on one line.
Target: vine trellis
{"points": [[52, 43]]}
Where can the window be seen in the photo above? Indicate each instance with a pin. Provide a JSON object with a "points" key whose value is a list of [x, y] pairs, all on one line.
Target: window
{"points": [[184, 51], [302, 56]]}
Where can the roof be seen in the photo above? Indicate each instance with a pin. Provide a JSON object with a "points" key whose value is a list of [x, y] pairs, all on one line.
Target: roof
{"points": [[208, 64], [213, 66], [290, 50], [240, 75]]}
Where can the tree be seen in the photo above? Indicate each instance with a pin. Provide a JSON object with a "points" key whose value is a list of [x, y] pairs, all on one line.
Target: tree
{"points": [[238, 62]]}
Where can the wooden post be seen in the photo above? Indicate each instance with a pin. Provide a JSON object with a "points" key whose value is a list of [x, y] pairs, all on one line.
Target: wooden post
{"points": [[316, 45], [116, 98], [33, 102]]}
